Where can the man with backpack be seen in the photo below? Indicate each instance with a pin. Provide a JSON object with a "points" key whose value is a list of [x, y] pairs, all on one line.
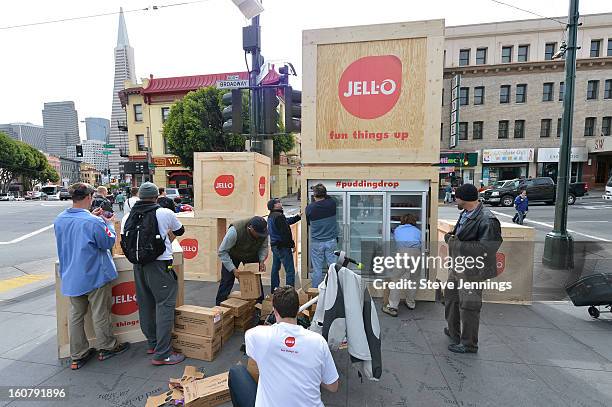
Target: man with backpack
{"points": [[146, 244]]}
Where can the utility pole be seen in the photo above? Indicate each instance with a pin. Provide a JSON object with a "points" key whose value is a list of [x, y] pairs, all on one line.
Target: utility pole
{"points": [[559, 244], [256, 137]]}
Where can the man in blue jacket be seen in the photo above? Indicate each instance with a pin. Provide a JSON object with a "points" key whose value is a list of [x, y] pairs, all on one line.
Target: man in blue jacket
{"points": [[281, 242], [521, 204], [86, 270]]}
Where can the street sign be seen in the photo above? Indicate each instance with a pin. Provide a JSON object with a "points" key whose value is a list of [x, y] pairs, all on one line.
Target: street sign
{"points": [[109, 146], [151, 165], [233, 84], [107, 152]]}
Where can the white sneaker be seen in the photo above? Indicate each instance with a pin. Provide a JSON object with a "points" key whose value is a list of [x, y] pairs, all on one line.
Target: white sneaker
{"points": [[411, 305]]}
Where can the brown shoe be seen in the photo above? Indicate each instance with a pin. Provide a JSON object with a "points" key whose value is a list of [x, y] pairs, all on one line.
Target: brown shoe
{"points": [[389, 311]]}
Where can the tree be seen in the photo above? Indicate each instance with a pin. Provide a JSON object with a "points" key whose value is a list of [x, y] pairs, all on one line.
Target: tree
{"points": [[8, 161]]}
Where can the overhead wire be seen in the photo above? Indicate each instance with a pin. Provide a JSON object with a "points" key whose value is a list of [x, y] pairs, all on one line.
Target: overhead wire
{"points": [[529, 12]]}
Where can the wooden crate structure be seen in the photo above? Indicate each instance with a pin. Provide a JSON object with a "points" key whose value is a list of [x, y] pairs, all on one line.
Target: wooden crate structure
{"points": [[126, 322], [515, 258], [231, 184], [202, 238]]}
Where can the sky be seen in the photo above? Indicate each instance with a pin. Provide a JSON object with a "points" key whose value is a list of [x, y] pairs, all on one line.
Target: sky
{"points": [[73, 60]]}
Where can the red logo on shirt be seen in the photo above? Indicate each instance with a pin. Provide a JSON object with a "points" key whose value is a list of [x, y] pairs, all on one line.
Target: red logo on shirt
{"points": [[262, 186], [124, 299], [224, 185], [290, 341], [190, 248]]}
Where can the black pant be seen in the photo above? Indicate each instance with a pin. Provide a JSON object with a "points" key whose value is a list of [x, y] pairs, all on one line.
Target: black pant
{"points": [[462, 312], [242, 386], [227, 283]]}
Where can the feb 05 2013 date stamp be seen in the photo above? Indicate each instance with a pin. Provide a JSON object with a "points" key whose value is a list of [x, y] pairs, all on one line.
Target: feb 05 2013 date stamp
{"points": [[32, 393]]}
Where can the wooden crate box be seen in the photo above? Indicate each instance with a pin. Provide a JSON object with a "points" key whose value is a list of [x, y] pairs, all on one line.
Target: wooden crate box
{"points": [[200, 242]]}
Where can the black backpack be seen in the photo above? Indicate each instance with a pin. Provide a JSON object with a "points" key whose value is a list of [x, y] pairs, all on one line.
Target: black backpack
{"points": [[140, 240]]}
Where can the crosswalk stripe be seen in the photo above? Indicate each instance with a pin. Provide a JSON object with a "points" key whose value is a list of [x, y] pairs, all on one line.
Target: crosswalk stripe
{"points": [[17, 282]]}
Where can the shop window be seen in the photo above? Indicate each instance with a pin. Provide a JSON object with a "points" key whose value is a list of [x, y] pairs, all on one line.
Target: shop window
{"points": [[140, 142], [138, 113], [165, 112], [595, 48], [481, 56], [561, 90], [477, 130], [592, 90], [504, 94], [464, 57], [559, 127], [608, 89], [506, 54], [545, 127], [479, 95], [463, 131], [521, 93], [589, 126], [549, 50], [523, 53], [606, 125], [519, 129], [502, 131], [547, 92], [464, 96]]}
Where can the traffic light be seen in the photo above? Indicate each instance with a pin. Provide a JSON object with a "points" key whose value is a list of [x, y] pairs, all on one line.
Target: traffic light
{"points": [[270, 111], [293, 110], [232, 113], [79, 150]]}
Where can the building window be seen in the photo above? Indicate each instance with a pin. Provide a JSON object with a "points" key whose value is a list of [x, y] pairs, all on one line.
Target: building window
{"points": [[519, 129], [610, 47], [521, 93], [479, 95], [549, 50], [140, 141], [545, 127], [463, 131], [464, 57], [608, 89], [442, 96], [166, 149], [547, 92], [138, 113], [481, 56], [589, 126], [165, 112], [477, 130], [523, 53], [559, 127], [506, 55], [504, 94], [502, 130], [592, 90], [561, 90], [595, 48], [464, 96], [606, 125], [441, 131]]}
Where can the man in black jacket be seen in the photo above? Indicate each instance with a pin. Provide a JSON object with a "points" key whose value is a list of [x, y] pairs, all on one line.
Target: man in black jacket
{"points": [[281, 242], [477, 235]]}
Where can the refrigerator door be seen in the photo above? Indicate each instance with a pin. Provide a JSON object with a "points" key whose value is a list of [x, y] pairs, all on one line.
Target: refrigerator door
{"points": [[366, 225]]}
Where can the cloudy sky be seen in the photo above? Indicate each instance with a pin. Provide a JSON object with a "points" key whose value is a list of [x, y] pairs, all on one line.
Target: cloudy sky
{"points": [[73, 60]]}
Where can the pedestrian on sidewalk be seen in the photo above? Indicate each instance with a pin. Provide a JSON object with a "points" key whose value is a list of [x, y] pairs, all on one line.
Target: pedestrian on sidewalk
{"points": [[407, 238], [521, 204], [146, 244], [246, 241], [120, 199], [100, 200], [164, 201], [448, 193], [323, 229], [86, 270], [281, 242], [476, 236], [131, 201]]}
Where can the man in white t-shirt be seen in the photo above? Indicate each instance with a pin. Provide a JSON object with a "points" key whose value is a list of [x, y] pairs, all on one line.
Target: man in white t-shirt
{"points": [[129, 204], [294, 363], [156, 282]]}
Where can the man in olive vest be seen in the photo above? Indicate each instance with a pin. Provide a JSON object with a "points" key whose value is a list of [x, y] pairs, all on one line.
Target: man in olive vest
{"points": [[246, 241]]}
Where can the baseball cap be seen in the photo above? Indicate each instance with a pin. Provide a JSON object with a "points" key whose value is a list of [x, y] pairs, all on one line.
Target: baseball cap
{"points": [[259, 226]]}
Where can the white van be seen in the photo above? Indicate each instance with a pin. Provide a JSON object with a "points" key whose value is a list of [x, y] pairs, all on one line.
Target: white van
{"points": [[608, 194]]}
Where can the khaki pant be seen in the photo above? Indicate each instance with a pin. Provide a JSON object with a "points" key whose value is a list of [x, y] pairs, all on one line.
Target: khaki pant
{"points": [[100, 301], [407, 275], [462, 312]]}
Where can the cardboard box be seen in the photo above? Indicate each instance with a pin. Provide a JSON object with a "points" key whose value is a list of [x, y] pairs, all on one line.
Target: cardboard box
{"points": [[302, 296], [238, 307], [227, 334], [165, 399], [235, 294], [250, 284], [253, 369], [208, 392], [195, 346], [196, 320], [265, 307], [190, 373], [227, 317], [312, 292]]}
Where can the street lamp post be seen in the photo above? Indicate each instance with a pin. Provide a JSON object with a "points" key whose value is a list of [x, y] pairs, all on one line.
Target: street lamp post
{"points": [[559, 244]]}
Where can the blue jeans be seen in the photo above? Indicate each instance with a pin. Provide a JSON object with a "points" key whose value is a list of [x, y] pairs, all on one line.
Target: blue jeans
{"points": [[285, 256], [321, 253], [242, 387]]}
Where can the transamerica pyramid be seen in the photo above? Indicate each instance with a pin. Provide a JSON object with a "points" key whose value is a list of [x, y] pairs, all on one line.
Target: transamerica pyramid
{"points": [[124, 71]]}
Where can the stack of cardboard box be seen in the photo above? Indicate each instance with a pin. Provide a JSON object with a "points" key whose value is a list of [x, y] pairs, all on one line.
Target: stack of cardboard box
{"points": [[227, 322], [265, 307], [194, 390], [242, 311], [197, 332]]}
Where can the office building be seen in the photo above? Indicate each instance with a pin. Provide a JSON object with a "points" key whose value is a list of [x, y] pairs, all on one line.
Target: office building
{"points": [[97, 128], [29, 133], [93, 153], [61, 125]]}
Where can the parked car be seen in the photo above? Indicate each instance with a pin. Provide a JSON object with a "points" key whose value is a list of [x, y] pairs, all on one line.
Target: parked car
{"points": [[64, 194], [186, 195], [172, 193], [7, 197], [540, 189], [608, 192], [36, 195]]}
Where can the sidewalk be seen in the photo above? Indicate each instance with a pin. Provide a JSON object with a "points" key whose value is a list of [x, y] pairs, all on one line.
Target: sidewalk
{"points": [[547, 354]]}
